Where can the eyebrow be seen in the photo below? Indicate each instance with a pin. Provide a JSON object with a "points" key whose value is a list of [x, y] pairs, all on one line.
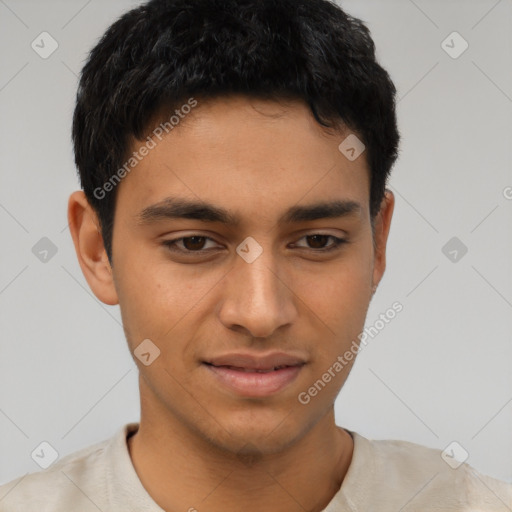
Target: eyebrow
{"points": [[180, 208]]}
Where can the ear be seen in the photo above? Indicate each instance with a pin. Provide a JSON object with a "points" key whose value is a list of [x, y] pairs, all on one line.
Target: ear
{"points": [[382, 223], [90, 250]]}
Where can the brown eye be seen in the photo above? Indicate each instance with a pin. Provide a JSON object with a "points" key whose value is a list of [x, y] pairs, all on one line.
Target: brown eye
{"points": [[317, 242], [188, 244], [194, 243]]}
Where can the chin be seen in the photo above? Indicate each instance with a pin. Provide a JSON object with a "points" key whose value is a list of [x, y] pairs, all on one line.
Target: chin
{"points": [[256, 434]]}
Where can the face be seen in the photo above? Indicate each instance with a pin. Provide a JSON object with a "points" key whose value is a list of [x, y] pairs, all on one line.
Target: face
{"points": [[251, 298]]}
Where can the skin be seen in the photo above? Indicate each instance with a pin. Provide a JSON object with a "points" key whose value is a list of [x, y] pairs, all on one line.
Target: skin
{"points": [[200, 445]]}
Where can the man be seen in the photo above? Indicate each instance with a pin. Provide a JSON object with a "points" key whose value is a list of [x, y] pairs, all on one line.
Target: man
{"points": [[233, 156]]}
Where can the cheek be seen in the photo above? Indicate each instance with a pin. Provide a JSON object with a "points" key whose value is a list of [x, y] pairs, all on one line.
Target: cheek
{"points": [[144, 299], [337, 302], [157, 298], [343, 291]]}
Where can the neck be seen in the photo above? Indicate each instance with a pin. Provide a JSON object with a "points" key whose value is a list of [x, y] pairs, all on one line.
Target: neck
{"points": [[184, 471]]}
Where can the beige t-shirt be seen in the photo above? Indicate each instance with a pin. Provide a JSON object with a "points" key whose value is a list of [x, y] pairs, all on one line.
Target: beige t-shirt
{"points": [[383, 476]]}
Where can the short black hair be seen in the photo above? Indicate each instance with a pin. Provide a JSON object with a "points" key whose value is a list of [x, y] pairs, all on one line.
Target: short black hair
{"points": [[160, 54]]}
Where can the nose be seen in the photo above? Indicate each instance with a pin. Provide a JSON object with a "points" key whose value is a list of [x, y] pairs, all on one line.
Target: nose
{"points": [[257, 297]]}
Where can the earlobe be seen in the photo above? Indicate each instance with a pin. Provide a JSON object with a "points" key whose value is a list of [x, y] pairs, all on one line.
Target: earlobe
{"points": [[381, 233], [90, 250]]}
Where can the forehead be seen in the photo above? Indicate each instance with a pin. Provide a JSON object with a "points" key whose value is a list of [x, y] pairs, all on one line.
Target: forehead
{"points": [[257, 156]]}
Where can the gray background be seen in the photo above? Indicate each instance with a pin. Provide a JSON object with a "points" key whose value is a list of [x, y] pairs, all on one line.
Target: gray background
{"points": [[439, 372]]}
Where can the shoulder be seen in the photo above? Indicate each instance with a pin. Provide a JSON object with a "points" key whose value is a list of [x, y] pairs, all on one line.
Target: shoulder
{"points": [[77, 481], [427, 478]]}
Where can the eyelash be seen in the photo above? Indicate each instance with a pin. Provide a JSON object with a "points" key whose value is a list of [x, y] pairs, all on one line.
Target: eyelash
{"points": [[171, 244]]}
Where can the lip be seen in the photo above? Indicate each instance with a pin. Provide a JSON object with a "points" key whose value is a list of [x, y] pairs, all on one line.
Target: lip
{"points": [[256, 361], [255, 375]]}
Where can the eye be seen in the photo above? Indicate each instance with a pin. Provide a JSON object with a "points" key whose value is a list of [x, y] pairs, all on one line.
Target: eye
{"points": [[318, 240], [197, 244], [190, 244]]}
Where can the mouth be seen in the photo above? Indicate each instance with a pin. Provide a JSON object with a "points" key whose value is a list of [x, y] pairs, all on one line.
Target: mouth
{"points": [[251, 376], [250, 370]]}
